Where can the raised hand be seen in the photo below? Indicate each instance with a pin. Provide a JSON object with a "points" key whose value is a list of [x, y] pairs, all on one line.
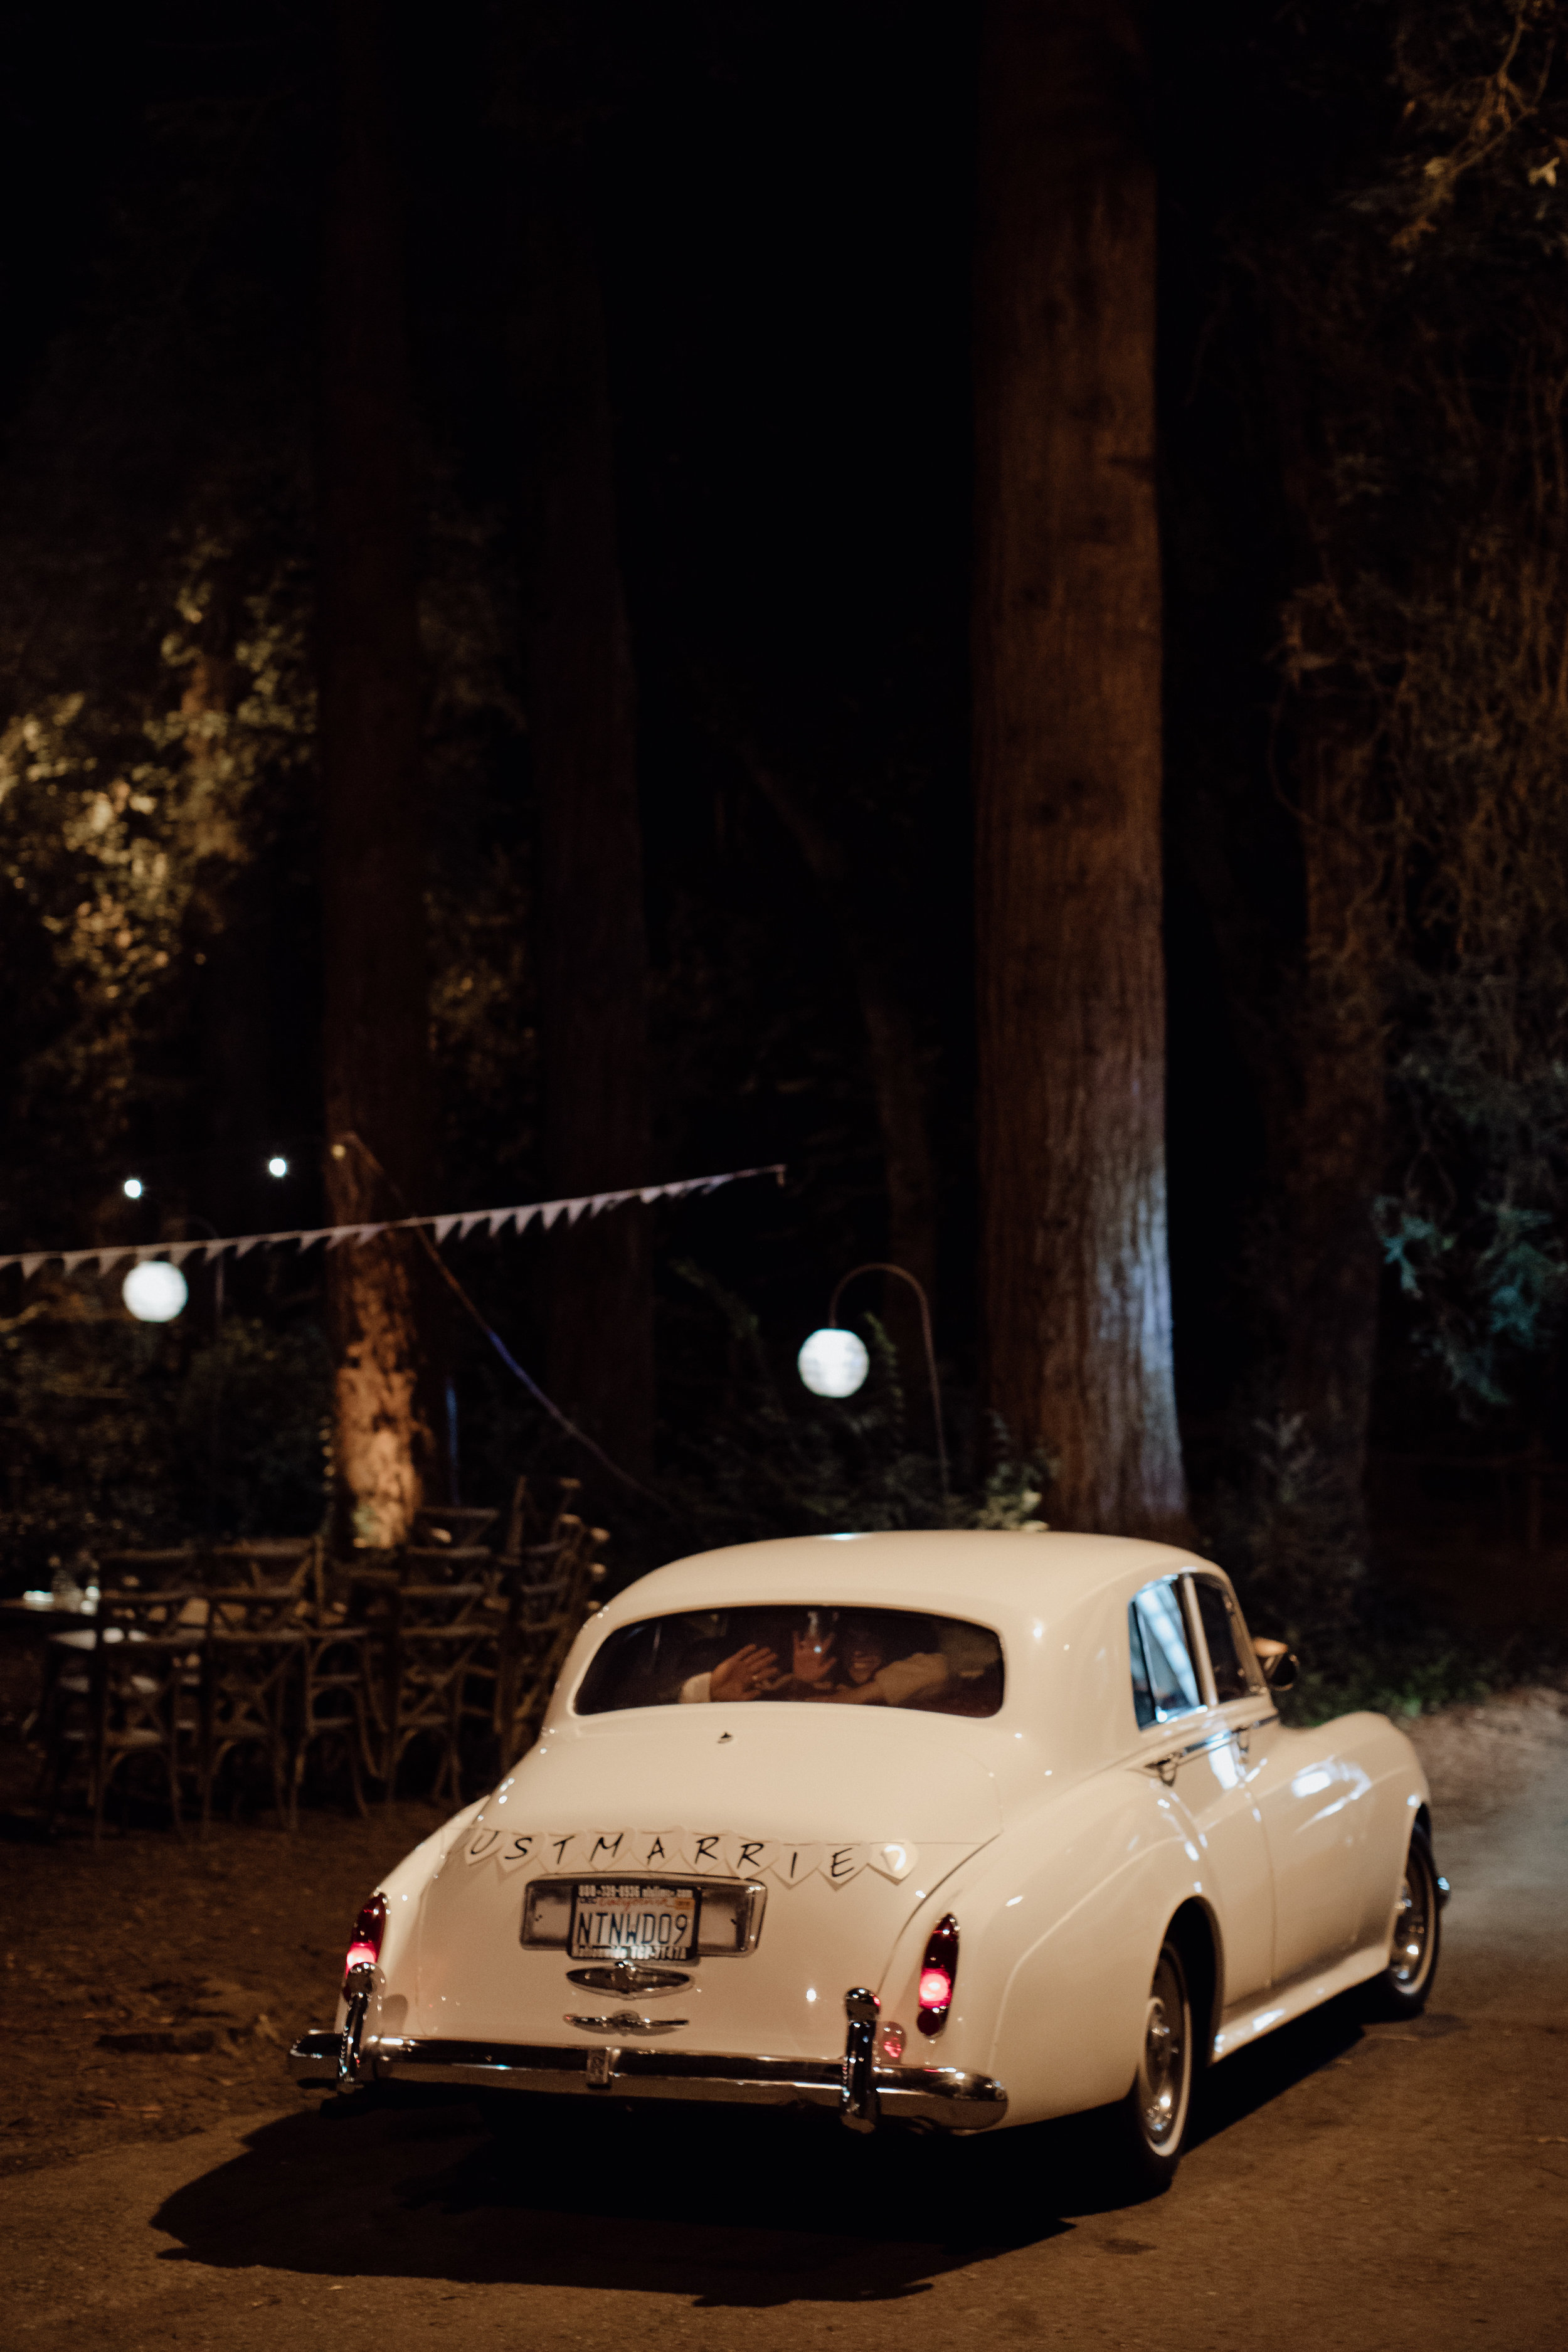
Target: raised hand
{"points": [[816, 1661], [746, 1674]]}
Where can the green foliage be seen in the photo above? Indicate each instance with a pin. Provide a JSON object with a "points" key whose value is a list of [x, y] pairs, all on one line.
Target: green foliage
{"points": [[1279, 1529], [1419, 341], [119, 1433], [760, 1455], [1410, 1674], [1491, 1293], [774, 1460]]}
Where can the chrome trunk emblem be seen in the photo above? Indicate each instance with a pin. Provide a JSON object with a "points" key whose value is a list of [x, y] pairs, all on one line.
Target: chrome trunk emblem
{"points": [[625, 2020], [627, 1977]]}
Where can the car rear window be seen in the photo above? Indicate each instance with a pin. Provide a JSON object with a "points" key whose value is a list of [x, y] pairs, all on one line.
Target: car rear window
{"points": [[818, 1655]]}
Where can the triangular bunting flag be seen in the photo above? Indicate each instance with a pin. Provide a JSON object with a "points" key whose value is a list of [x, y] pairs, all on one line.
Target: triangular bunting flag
{"points": [[462, 1222]]}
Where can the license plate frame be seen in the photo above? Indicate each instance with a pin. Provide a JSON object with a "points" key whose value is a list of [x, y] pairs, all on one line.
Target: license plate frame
{"points": [[638, 1903]]}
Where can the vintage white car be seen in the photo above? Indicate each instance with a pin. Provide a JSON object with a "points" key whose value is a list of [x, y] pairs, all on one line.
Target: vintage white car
{"points": [[963, 1830]]}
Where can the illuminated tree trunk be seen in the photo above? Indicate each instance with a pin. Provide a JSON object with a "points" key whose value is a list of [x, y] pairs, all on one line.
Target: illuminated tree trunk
{"points": [[1067, 620], [376, 1044], [582, 715]]}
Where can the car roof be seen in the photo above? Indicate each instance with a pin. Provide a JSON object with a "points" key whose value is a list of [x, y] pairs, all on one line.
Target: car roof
{"points": [[954, 1571]]}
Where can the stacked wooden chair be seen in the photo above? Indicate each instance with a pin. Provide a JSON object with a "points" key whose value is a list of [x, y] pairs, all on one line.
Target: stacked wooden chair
{"points": [[548, 1569], [204, 1661], [121, 1691]]}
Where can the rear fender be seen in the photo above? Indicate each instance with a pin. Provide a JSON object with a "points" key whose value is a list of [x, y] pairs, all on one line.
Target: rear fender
{"points": [[1061, 1921]]}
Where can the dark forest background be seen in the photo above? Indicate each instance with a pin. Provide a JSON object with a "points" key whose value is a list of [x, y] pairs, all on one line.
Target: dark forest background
{"points": [[741, 238]]}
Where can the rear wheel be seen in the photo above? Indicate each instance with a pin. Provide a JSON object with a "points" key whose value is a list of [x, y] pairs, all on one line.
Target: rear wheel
{"points": [[1402, 1989], [1151, 2124]]}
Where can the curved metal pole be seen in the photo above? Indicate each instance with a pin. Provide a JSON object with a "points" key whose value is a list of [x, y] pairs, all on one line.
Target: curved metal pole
{"points": [[880, 1266]]}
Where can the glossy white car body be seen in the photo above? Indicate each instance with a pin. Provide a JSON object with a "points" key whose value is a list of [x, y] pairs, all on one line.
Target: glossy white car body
{"points": [[1062, 1837]]}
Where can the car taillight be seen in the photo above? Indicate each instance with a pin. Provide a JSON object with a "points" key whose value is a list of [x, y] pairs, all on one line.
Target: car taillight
{"points": [[939, 1971], [364, 1944]]}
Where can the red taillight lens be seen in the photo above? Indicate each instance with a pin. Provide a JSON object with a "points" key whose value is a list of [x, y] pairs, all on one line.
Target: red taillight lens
{"points": [[939, 1973], [364, 1944]]}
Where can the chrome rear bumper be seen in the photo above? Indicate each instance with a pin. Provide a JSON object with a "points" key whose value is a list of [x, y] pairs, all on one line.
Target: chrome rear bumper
{"points": [[938, 2095]]}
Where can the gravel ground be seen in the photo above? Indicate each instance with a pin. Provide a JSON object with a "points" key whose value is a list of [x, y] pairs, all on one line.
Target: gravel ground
{"points": [[150, 1986]]}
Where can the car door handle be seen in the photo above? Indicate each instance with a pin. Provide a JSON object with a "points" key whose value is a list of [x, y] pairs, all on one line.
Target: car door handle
{"points": [[1166, 1765]]}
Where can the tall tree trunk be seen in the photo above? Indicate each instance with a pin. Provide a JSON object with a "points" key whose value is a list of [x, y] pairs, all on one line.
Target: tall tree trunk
{"points": [[593, 948], [1340, 1138], [1336, 1140], [1067, 764], [377, 1017], [892, 1047]]}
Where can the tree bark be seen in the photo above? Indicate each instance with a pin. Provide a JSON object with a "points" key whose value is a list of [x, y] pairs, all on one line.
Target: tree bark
{"points": [[1340, 1136], [593, 950], [892, 1049], [376, 1046], [1067, 620]]}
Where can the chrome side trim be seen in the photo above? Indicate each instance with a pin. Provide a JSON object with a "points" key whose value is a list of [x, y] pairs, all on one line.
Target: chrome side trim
{"points": [[940, 2095]]}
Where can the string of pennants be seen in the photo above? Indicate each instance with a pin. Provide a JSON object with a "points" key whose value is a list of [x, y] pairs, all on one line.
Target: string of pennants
{"points": [[462, 1222]]}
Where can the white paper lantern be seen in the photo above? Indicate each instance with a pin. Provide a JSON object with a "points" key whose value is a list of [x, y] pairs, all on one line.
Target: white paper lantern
{"points": [[154, 1291], [834, 1363]]}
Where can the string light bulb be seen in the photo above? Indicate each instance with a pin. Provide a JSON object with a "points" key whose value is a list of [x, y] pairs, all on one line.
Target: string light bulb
{"points": [[132, 1188], [278, 1165]]}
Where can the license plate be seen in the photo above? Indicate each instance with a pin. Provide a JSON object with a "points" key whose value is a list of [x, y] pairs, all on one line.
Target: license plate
{"points": [[634, 1919]]}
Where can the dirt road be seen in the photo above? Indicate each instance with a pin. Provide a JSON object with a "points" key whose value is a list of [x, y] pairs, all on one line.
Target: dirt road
{"points": [[1381, 2190]]}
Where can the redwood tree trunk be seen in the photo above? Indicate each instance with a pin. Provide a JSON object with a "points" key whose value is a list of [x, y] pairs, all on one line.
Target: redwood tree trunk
{"points": [[892, 1046], [1067, 764], [592, 951], [1340, 1138], [377, 1020]]}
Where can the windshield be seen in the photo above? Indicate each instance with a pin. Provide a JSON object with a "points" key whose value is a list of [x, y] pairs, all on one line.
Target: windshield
{"points": [[815, 1657]]}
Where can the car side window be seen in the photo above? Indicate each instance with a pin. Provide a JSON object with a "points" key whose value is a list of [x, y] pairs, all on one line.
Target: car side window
{"points": [[1218, 1621], [1165, 1680]]}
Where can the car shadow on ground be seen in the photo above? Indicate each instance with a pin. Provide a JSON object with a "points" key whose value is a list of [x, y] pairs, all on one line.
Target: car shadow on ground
{"points": [[732, 2208]]}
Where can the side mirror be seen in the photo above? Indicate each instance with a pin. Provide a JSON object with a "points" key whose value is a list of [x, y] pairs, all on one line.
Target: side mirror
{"points": [[1279, 1664]]}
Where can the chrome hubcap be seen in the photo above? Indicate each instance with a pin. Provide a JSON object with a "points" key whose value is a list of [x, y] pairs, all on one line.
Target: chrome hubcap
{"points": [[1162, 2065], [1412, 1928]]}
